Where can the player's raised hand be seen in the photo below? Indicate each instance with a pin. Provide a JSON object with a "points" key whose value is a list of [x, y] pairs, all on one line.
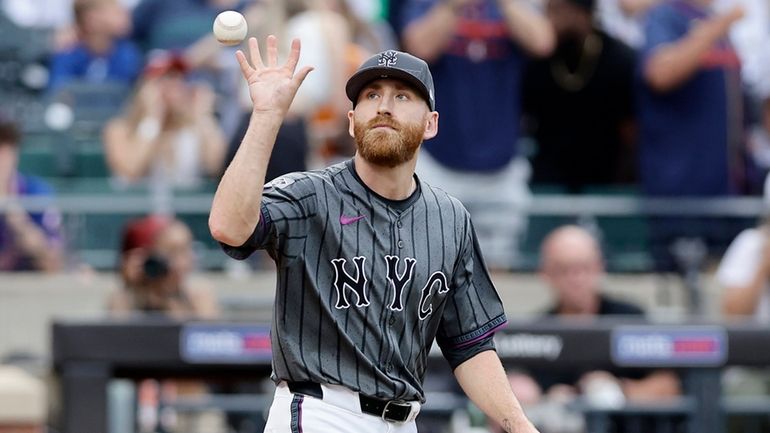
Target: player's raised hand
{"points": [[271, 87]]}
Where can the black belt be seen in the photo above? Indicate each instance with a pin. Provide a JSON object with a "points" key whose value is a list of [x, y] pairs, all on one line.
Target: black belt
{"points": [[389, 410]]}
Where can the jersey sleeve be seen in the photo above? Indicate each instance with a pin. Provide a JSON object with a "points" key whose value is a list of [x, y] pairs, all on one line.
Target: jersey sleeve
{"points": [[457, 356], [474, 310], [288, 202]]}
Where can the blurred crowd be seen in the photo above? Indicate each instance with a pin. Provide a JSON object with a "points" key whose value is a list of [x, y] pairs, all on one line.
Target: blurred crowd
{"points": [[652, 98]]}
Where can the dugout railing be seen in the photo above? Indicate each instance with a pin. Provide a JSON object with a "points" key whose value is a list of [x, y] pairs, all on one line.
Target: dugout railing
{"points": [[88, 355]]}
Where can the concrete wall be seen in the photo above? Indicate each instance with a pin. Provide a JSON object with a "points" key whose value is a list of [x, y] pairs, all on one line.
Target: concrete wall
{"points": [[29, 302]]}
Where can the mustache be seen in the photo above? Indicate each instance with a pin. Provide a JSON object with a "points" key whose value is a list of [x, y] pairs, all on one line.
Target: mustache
{"points": [[383, 120]]}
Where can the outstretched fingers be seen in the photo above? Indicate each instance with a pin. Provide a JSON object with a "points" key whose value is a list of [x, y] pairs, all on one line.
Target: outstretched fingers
{"points": [[246, 68], [257, 66], [272, 51], [256, 56], [291, 62]]}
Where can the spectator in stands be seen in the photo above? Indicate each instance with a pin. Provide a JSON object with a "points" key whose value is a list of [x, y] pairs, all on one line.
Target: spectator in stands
{"points": [[349, 39], [579, 102], [477, 50], [744, 278], [102, 54], [169, 134], [686, 132], [24, 403], [28, 240], [744, 272], [156, 265], [335, 55], [572, 266], [690, 117]]}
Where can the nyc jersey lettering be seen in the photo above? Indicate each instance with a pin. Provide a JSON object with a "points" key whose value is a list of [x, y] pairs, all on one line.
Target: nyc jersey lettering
{"points": [[356, 283]]}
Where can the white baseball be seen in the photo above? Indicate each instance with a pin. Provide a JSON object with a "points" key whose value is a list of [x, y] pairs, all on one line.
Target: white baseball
{"points": [[230, 28]]}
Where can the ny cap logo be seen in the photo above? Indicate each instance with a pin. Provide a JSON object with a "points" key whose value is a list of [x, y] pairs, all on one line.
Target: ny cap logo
{"points": [[388, 58]]}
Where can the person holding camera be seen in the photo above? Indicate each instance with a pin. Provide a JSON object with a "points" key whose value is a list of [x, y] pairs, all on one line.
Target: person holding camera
{"points": [[155, 267], [156, 261]]}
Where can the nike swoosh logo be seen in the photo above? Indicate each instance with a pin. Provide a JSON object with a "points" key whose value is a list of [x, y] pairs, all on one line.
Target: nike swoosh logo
{"points": [[345, 220]]}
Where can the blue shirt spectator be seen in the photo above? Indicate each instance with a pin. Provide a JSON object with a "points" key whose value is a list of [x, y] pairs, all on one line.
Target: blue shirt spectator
{"points": [[690, 129], [477, 50], [28, 240], [101, 53], [123, 65], [690, 122], [478, 81]]}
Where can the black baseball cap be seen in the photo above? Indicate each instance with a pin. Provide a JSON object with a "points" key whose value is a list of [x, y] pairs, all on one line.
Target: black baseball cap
{"points": [[396, 65]]}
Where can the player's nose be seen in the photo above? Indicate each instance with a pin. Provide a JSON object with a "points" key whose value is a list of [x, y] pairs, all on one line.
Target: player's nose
{"points": [[385, 106]]}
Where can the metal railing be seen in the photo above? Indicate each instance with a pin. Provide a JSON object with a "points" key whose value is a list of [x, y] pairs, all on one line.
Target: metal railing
{"points": [[629, 253], [540, 205]]}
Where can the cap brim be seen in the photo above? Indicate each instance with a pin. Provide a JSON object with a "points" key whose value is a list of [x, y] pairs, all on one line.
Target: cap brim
{"points": [[360, 79]]}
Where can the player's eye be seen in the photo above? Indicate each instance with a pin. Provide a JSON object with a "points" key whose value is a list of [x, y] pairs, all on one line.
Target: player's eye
{"points": [[402, 97], [371, 95]]}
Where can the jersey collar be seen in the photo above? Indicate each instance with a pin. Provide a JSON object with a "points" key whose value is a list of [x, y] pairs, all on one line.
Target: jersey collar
{"points": [[399, 205]]}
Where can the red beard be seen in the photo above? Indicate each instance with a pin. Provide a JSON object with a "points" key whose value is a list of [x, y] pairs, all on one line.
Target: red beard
{"points": [[387, 147]]}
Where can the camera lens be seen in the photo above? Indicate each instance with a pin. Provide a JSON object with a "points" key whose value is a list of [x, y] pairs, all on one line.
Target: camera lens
{"points": [[155, 267]]}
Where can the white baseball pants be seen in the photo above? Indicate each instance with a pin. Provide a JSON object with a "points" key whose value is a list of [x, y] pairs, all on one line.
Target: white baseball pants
{"points": [[339, 411]]}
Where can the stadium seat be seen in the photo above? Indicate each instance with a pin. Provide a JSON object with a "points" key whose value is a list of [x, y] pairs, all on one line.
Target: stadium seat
{"points": [[38, 161], [25, 107], [27, 43], [92, 104], [52, 161], [90, 162]]}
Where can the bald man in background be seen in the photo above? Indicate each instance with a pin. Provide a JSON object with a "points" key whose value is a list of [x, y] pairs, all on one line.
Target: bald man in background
{"points": [[572, 265]]}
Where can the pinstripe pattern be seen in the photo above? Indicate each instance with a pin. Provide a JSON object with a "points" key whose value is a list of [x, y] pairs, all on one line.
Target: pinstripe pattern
{"points": [[296, 413], [337, 317]]}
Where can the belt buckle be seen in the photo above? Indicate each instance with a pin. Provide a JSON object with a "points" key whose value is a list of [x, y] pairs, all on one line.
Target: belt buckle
{"points": [[400, 403]]}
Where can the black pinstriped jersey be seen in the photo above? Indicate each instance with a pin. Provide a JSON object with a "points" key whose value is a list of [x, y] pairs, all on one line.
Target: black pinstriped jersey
{"points": [[365, 284]]}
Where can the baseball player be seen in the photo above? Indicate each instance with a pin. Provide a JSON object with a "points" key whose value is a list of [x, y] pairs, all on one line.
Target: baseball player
{"points": [[373, 264]]}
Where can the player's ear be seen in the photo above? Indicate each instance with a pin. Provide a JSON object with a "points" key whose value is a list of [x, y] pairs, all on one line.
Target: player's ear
{"points": [[351, 124], [431, 125]]}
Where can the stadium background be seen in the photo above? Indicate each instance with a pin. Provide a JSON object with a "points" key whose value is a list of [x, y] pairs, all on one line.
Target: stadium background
{"points": [[62, 143]]}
